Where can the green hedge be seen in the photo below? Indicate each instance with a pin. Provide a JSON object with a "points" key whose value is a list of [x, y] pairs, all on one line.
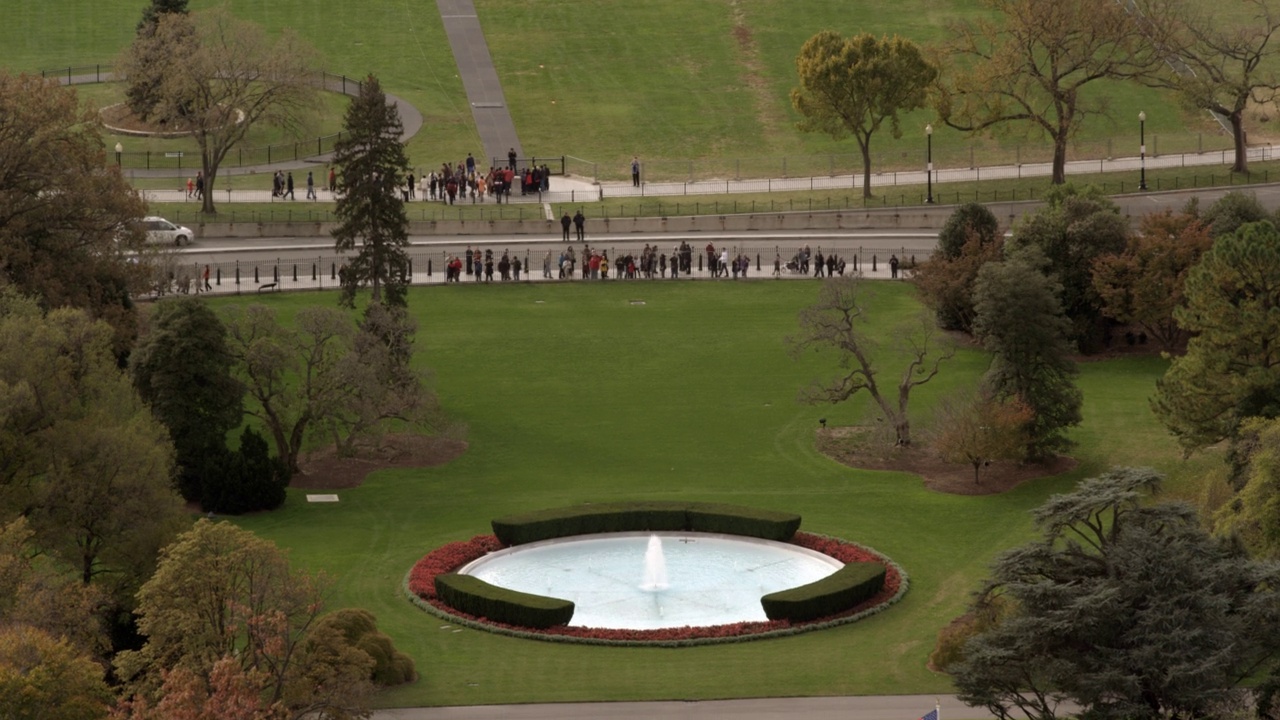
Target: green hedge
{"points": [[476, 597], [847, 587], [645, 516]]}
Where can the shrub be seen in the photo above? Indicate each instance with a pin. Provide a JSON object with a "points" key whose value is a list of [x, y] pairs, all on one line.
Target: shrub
{"points": [[840, 591], [360, 630], [649, 516], [476, 597]]}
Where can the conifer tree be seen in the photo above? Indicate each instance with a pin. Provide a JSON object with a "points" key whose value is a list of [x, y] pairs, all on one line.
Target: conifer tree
{"points": [[371, 166]]}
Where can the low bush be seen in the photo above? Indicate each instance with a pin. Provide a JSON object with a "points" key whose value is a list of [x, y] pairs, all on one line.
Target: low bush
{"points": [[476, 597], [645, 517], [360, 630], [845, 588]]}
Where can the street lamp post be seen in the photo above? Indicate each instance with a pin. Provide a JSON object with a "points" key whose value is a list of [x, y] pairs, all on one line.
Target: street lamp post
{"points": [[928, 162], [119, 151], [1142, 150]]}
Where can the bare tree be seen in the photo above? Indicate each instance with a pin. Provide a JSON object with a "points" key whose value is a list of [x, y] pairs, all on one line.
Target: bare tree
{"points": [[1215, 64], [1033, 61], [223, 76], [833, 323]]}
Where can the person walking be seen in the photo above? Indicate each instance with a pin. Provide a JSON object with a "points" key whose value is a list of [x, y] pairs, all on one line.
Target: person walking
{"points": [[565, 222], [580, 222], [893, 267], [311, 186], [412, 193], [288, 183], [635, 171], [207, 286], [333, 180]]}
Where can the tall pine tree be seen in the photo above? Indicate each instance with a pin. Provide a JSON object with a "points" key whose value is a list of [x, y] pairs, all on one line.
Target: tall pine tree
{"points": [[371, 166]]}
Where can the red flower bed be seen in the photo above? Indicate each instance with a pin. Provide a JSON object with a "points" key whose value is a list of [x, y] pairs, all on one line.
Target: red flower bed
{"points": [[449, 558]]}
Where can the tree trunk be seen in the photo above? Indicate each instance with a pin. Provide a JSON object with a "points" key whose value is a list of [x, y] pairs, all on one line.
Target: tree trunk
{"points": [[977, 465], [206, 205], [902, 430], [1242, 149], [1060, 159], [865, 147]]}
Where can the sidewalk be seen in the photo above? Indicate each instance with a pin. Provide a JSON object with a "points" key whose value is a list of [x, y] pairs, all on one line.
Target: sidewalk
{"points": [[572, 189]]}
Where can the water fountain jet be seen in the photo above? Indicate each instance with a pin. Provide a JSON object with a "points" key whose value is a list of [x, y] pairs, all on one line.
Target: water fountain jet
{"points": [[655, 566]]}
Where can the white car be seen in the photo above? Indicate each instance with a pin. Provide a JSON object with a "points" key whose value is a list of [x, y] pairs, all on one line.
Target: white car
{"points": [[160, 230]]}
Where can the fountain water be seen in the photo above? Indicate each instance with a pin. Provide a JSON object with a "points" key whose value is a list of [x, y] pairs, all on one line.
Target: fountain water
{"points": [[655, 566]]}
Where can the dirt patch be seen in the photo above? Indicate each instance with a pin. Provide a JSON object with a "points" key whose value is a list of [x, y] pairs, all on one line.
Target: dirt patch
{"points": [[854, 447], [325, 470], [753, 72]]}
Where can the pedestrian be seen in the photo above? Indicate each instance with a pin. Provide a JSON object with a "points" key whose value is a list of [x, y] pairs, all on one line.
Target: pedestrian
{"points": [[777, 265], [207, 286], [818, 264], [412, 195], [635, 171], [199, 184], [311, 186], [191, 188], [546, 266], [893, 266], [511, 158], [333, 180], [565, 222], [471, 165], [289, 185], [516, 267], [579, 222]]}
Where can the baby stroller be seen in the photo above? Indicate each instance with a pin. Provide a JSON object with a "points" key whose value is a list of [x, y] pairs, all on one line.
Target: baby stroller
{"points": [[793, 265]]}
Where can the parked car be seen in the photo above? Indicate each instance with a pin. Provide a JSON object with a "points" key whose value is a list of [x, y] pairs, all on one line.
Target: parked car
{"points": [[162, 231]]}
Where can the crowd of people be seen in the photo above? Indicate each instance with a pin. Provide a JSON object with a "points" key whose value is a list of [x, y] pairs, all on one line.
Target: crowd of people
{"points": [[595, 264], [463, 181]]}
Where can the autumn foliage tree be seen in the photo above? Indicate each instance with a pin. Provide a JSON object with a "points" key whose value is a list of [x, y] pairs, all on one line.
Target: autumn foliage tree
{"points": [[834, 323], [1143, 284], [853, 86], [981, 427], [969, 240]]}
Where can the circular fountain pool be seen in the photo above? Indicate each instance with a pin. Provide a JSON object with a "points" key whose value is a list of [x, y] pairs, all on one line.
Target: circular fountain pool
{"points": [[643, 581]]}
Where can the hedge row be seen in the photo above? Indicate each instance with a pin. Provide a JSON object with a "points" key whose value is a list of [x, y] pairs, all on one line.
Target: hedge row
{"points": [[476, 597], [647, 516], [844, 589]]}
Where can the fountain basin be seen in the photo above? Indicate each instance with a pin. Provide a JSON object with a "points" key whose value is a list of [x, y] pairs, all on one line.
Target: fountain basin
{"points": [[710, 579]]}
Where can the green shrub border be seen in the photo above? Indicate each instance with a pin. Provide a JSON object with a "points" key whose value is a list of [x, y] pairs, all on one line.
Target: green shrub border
{"points": [[645, 516], [903, 585], [846, 588], [474, 596]]}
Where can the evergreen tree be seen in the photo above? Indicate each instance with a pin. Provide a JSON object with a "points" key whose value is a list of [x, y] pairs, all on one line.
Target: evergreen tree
{"points": [[1020, 320], [182, 368], [144, 92], [372, 165]]}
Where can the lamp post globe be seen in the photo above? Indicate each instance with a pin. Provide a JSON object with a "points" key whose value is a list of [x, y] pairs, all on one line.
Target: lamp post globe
{"points": [[119, 152], [928, 160]]}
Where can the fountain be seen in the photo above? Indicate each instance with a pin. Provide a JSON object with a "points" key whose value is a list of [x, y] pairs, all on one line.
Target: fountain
{"points": [[655, 566], [695, 579]]}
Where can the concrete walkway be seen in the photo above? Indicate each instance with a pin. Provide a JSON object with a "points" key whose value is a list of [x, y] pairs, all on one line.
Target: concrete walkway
{"points": [[871, 707], [480, 79]]}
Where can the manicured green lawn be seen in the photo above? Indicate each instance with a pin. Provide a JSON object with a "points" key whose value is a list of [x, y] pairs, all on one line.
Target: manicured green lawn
{"points": [[575, 393], [688, 86]]}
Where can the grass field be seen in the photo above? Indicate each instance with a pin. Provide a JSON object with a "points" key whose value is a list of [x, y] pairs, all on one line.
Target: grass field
{"points": [[669, 80], [574, 393]]}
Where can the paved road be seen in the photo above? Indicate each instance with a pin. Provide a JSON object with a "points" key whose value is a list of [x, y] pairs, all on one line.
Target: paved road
{"points": [[883, 707], [480, 79]]}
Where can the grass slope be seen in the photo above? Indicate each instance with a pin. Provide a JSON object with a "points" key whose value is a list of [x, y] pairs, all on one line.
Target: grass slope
{"points": [[574, 393]]}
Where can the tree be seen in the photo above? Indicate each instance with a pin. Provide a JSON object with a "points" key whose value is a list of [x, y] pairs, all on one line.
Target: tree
{"points": [[220, 593], [143, 93], [65, 214], [84, 460], [1232, 211], [1218, 65], [182, 369], [966, 221], [1019, 319], [223, 76], [969, 240], [1073, 230], [42, 676], [1093, 615], [1144, 284], [1253, 515], [853, 85], [1231, 370], [359, 629], [832, 323], [245, 480], [349, 381], [1035, 63], [372, 164], [981, 427]]}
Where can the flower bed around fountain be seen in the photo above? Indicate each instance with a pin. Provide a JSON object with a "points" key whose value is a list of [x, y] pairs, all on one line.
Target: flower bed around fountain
{"points": [[420, 584]]}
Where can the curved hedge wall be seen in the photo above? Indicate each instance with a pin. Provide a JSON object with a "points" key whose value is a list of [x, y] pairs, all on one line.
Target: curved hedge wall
{"points": [[845, 588], [477, 597], [645, 516]]}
